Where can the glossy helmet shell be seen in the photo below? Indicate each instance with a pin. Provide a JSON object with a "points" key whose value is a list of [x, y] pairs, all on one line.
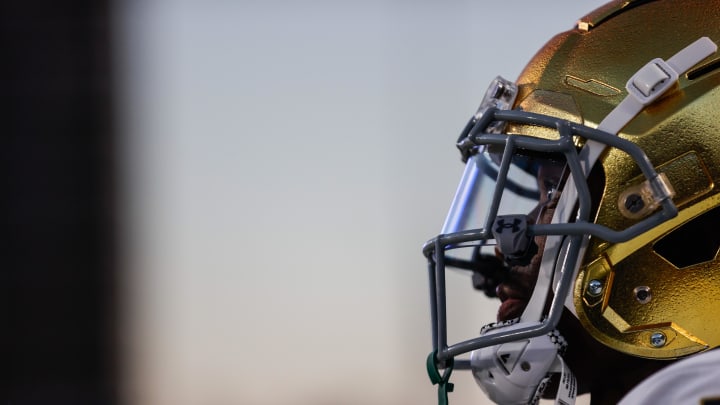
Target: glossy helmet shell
{"points": [[659, 293]]}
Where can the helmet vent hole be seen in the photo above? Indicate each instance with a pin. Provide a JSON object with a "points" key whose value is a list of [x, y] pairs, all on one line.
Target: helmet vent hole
{"points": [[697, 241], [704, 69]]}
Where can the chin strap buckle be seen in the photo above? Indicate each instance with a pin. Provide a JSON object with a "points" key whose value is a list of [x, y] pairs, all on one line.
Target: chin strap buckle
{"points": [[653, 80], [442, 381], [567, 384]]}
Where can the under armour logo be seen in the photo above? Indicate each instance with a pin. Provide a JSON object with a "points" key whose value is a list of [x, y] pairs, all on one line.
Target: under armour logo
{"points": [[514, 239], [502, 225]]}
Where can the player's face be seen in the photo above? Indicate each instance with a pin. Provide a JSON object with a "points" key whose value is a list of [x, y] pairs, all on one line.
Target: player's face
{"points": [[515, 291]]}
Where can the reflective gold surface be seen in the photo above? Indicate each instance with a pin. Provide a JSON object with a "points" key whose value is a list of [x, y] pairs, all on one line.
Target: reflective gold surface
{"points": [[580, 75]]}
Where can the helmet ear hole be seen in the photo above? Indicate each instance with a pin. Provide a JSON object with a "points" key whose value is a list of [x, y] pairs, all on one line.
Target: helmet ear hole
{"points": [[696, 241], [596, 184]]}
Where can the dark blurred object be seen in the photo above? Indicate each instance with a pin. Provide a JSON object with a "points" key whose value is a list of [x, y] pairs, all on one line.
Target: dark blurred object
{"points": [[57, 268]]}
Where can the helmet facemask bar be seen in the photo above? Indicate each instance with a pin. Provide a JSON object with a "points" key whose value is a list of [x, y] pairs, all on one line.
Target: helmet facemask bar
{"points": [[578, 194]]}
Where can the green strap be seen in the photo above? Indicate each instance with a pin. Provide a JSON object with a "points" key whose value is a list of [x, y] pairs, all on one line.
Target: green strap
{"points": [[444, 386]]}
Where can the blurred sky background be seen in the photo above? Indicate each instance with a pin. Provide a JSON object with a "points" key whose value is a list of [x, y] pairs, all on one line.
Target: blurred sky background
{"points": [[282, 163]]}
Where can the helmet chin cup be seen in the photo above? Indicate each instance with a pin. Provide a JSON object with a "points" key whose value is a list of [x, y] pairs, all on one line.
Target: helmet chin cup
{"points": [[516, 372]]}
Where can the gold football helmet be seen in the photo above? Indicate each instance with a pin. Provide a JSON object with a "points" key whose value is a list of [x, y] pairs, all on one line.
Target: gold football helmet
{"points": [[592, 178]]}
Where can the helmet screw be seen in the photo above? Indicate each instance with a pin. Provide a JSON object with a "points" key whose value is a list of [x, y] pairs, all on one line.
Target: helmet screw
{"points": [[658, 339], [643, 294], [634, 203], [595, 287]]}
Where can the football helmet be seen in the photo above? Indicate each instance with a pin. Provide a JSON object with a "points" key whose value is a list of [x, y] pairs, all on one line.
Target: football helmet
{"points": [[589, 186]]}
